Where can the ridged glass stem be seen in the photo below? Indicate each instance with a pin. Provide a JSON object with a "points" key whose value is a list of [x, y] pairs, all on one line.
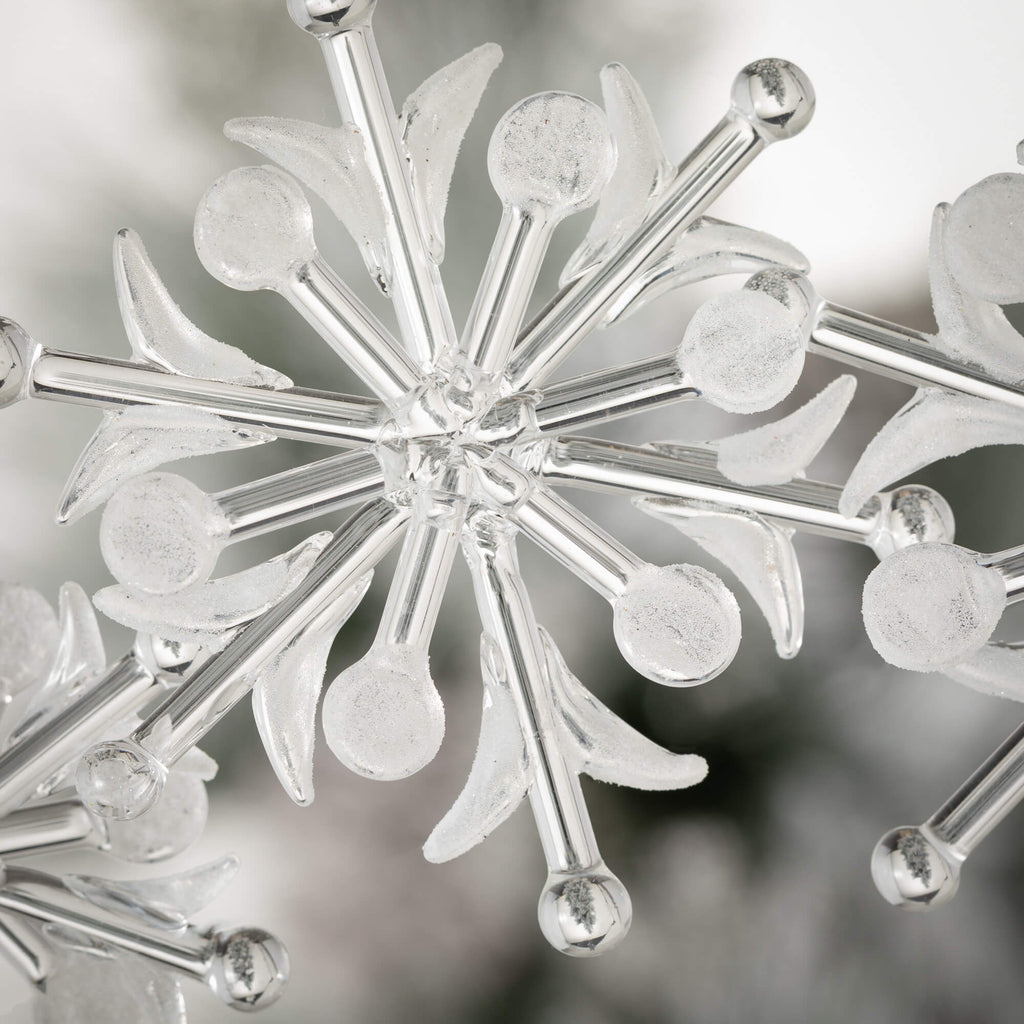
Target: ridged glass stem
{"points": [[418, 586], [905, 355], [1010, 565], [556, 798], [303, 415], [42, 898], [505, 288], [576, 542], [296, 495], [41, 828], [126, 688], [984, 799], [351, 330], [807, 505], [608, 394], [181, 721], [360, 87], [582, 306]]}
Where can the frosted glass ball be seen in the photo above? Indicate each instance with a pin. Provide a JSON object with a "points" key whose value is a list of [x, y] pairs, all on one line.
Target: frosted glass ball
{"points": [[910, 871], [584, 914], [552, 150], [253, 227], [677, 624], [931, 606], [383, 717], [160, 533], [985, 238], [744, 351]]}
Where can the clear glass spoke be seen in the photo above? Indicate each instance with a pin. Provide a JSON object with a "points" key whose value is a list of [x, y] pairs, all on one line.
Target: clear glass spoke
{"points": [[47, 826], [549, 157], [563, 824], [254, 230], [161, 533], [603, 395], [211, 958], [606, 465], [361, 90], [297, 413], [919, 866]]}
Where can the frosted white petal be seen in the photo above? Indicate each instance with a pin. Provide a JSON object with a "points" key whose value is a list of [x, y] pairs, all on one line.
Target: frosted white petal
{"points": [[641, 172], [933, 425], [160, 333], [160, 533], [710, 248], [600, 744], [777, 452], [500, 776], [79, 658], [971, 329], [29, 638], [140, 438], [930, 607], [332, 163], [383, 717], [743, 350], [677, 624], [170, 826], [997, 669], [985, 245], [119, 989], [286, 692], [433, 121], [759, 553], [216, 606], [162, 902], [551, 152], [254, 228]]}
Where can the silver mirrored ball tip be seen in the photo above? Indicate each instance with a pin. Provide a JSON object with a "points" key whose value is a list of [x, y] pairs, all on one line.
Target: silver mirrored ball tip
{"points": [[250, 968], [911, 872], [584, 914], [775, 96], [328, 17], [914, 514], [169, 659]]}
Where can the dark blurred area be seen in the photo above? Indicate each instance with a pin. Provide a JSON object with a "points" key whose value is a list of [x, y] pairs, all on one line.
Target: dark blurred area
{"points": [[751, 893]]}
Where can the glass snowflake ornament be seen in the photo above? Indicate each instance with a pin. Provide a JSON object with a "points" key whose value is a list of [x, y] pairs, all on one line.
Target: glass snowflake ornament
{"points": [[98, 948], [468, 441]]}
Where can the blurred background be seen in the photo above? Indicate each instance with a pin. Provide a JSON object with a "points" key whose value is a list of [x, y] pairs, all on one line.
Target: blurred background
{"points": [[751, 892]]}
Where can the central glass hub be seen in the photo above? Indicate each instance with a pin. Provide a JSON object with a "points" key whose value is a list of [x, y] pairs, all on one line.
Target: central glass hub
{"points": [[422, 449]]}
